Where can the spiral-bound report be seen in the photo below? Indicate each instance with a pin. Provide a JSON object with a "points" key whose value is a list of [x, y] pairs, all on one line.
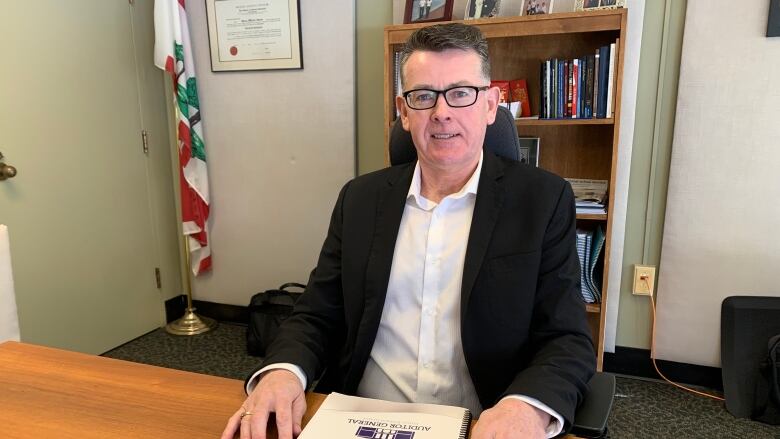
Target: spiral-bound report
{"points": [[347, 417]]}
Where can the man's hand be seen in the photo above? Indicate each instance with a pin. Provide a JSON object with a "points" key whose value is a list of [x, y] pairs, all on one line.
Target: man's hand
{"points": [[510, 419], [279, 391]]}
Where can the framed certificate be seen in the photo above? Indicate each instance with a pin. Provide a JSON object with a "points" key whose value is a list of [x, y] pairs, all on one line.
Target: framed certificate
{"points": [[254, 34]]}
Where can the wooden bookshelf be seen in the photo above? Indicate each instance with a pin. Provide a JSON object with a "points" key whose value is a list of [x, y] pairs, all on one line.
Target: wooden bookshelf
{"points": [[571, 148]]}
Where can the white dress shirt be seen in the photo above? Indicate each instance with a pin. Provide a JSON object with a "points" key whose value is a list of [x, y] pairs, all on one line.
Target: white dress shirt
{"points": [[417, 355]]}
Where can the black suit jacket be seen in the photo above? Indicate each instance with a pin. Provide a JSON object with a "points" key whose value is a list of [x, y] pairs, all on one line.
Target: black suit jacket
{"points": [[524, 327]]}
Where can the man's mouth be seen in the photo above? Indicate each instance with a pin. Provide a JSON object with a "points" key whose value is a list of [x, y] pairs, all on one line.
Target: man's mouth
{"points": [[443, 136]]}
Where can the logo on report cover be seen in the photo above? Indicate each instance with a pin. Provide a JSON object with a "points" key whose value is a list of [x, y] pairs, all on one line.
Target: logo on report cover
{"points": [[383, 433]]}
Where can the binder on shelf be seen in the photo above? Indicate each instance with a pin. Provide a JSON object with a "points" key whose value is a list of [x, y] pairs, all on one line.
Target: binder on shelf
{"points": [[583, 253], [590, 244], [342, 416]]}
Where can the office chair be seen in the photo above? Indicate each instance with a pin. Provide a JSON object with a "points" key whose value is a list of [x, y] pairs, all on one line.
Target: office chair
{"points": [[590, 419]]}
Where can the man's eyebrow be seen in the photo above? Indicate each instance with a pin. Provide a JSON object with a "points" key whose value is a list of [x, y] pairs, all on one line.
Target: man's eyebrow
{"points": [[448, 86]]}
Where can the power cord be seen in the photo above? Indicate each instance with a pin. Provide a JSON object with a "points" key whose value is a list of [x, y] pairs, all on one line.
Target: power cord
{"points": [[652, 349]]}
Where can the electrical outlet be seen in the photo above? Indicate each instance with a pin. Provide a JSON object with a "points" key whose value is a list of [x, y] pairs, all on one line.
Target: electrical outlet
{"points": [[644, 280]]}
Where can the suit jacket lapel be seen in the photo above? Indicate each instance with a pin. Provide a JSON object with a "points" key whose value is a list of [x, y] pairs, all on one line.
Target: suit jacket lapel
{"points": [[490, 199]]}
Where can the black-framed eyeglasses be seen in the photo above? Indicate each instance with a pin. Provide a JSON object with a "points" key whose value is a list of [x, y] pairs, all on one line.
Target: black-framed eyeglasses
{"points": [[456, 97]]}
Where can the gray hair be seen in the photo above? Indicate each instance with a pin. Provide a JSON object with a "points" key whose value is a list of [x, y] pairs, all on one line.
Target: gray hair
{"points": [[441, 37]]}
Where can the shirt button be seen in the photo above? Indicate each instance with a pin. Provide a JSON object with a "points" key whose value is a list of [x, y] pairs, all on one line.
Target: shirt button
{"points": [[427, 365], [429, 311]]}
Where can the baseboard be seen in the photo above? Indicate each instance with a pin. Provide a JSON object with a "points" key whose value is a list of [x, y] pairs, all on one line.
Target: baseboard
{"points": [[174, 308], [637, 362]]}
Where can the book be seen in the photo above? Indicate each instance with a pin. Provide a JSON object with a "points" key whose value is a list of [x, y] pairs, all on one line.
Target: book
{"points": [[343, 416], [503, 87], [596, 85], [518, 89], [588, 104], [610, 78], [575, 78], [603, 85]]}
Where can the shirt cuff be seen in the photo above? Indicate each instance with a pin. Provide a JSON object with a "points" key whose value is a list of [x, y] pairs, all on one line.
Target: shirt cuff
{"points": [[556, 421], [252, 382]]}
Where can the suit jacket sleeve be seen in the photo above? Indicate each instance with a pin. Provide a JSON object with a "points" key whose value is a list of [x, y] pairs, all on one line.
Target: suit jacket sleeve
{"points": [[563, 358]]}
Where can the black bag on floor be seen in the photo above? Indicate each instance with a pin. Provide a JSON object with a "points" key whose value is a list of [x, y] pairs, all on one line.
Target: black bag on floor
{"points": [[766, 407], [267, 310]]}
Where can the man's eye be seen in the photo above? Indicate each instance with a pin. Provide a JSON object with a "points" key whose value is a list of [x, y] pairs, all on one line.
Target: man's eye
{"points": [[459, 94], [424, 97]]}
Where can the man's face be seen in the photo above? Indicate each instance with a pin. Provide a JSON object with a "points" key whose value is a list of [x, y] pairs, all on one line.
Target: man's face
{"points": [[447, 139]]}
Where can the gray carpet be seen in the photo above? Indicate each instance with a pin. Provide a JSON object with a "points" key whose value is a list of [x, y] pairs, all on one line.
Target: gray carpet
{"points": [[642, 408]]}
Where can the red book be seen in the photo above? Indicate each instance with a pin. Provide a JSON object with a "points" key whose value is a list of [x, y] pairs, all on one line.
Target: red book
{"points": [[575, 79], [503, 86], [519, 89]]}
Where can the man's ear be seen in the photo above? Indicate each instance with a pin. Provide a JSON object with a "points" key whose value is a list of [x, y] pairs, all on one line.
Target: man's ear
{"points": [[492, 96], [400, 104]]}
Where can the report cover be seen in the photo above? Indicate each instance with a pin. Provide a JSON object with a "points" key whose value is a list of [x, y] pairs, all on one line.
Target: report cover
{"points": [[348, 417]]}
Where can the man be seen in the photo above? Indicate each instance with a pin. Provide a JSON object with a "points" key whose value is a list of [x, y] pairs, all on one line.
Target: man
{"points": [[452, 280]]}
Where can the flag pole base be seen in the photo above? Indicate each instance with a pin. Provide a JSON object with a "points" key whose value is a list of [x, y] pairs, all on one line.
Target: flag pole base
{"points": [[191, 324]]}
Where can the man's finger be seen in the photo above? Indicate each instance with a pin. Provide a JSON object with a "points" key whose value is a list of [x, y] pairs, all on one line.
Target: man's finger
{"points": [[298, 410], [232, 426], [246, 429], [284, 421], [258, 423]]}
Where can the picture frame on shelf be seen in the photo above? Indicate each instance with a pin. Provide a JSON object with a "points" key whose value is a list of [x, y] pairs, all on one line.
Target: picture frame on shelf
{"points": [[528, 150], [594, 5], [237, 43], [536, 7], [426, 11], [482, 9]]}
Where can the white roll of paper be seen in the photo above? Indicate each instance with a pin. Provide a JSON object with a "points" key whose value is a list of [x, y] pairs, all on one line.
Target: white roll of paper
{"points": [[9, 319]]}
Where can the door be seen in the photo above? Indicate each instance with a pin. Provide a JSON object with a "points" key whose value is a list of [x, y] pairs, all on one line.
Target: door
{"points": [[79, 214]]}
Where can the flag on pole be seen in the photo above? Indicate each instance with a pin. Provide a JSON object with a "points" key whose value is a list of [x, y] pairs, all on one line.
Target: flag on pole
{"points": [[173, 53]]}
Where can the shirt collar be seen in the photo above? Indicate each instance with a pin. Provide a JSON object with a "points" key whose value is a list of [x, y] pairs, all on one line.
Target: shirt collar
{"points": [[469, 188]]}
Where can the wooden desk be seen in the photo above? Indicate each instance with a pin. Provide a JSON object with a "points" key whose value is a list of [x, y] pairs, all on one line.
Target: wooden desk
{"points": [[51, 393]]}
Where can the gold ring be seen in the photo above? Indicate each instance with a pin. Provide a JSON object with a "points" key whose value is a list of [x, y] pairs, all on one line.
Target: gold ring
{"points": [[246, 413]]}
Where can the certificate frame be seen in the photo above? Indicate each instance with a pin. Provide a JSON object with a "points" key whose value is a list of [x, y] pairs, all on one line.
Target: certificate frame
{"points": [[254, 35]]}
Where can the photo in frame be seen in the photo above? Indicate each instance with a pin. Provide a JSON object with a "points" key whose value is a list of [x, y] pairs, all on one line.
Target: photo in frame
{"points": [[254, 34], [482, 9], [593, 5], [424, 11], [528, 151], [536, 7]]}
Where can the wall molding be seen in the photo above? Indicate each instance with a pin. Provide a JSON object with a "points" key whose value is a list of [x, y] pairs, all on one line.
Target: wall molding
{"points": [[637, 362]]}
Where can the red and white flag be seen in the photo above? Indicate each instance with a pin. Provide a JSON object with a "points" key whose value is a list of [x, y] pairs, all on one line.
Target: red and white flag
{"points": [[173, 53]]}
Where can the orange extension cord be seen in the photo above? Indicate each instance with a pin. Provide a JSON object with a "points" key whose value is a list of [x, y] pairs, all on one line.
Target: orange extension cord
{"points": [[652, 351]]}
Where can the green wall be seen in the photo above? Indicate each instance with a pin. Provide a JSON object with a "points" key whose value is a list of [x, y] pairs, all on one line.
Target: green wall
{"points": [[654, 126], [372, 17], [659, 69]]}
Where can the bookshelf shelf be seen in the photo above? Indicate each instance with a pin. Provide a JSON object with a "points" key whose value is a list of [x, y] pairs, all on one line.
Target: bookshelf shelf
{"points": [[554, 122], [592, 216], [593, 308], [571, 148]]}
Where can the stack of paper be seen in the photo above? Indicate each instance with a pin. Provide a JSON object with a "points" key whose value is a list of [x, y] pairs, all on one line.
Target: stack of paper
{"points": [[342, 416], [590, 196]]}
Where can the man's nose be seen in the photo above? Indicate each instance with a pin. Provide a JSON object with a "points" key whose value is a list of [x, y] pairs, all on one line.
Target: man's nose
{"points": [[441, 111]]}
